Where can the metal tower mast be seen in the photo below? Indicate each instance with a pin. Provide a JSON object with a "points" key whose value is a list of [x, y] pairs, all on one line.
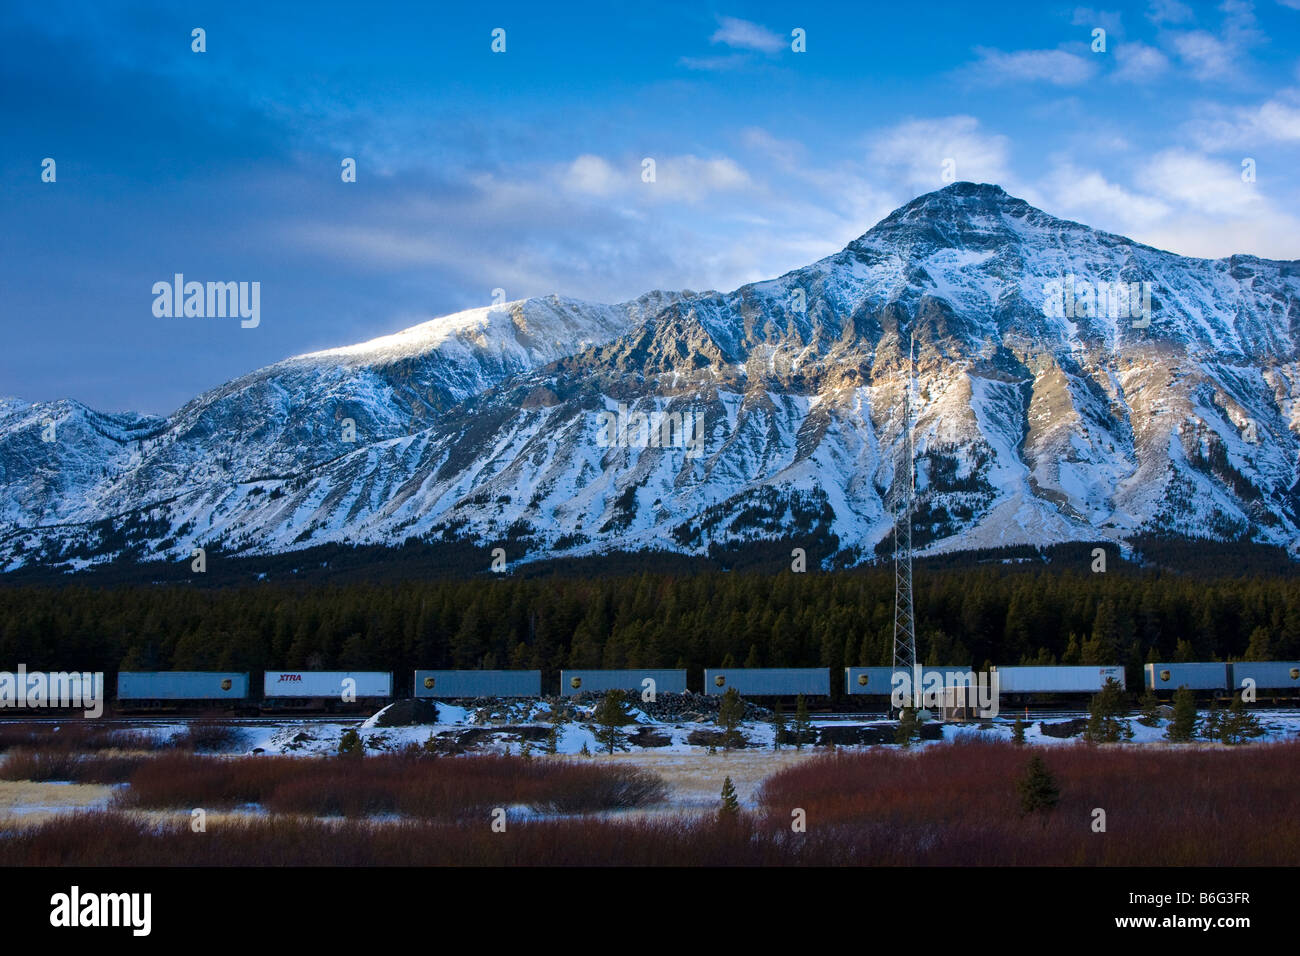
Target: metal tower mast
{"points": [[902, 501]]}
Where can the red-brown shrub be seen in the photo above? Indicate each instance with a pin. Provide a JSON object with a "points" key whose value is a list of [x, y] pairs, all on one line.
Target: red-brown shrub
{"points": [[76, 734], [444, 787], [40, 765], [957, 805]]}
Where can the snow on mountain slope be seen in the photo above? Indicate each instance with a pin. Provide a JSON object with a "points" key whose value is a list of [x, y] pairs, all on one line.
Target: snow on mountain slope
{"points": [[54, 455], [301, 412], [1033, 425]]}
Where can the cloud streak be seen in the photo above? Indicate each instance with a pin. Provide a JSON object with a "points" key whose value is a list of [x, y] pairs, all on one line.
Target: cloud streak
{"points": [[747, 35]]}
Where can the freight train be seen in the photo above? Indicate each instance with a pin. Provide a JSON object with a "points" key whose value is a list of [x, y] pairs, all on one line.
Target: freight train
{"points": [[365, 691]]}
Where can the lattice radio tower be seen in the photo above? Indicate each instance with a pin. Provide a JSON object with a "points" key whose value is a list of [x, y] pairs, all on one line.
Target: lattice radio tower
{"points": [[903, 498]]}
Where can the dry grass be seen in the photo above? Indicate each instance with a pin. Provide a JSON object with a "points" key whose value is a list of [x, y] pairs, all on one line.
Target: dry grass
{"points": [[75, 735], [210, 736], [447, 788], [957, 805], [24, 803], [694, 780], [951, 805], [43, 765], [124, 839]]}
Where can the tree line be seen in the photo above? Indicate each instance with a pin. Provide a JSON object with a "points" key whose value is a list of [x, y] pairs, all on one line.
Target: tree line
{"points": [[973, 617]]}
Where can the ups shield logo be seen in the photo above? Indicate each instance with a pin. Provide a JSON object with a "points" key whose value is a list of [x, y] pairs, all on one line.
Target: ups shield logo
{"points": [[227, 683], [575, 682], [1164, 675], [428, 683], [862, 680], [720, 680]]}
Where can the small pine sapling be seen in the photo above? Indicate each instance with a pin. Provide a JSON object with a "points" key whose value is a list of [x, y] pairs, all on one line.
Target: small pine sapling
{"points": [[730, 713], [778, 727], [351, 744], [802, 722], [907, 727], [1183, 727], [1038, 790], [729, 812], [1018, 733]]}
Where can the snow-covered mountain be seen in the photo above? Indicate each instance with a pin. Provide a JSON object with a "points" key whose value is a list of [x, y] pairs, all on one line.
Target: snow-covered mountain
{"points": [[288, 417], [1035, 424]]}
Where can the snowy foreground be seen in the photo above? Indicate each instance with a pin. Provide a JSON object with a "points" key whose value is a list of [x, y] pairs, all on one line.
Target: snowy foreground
{"points": [[676, 744], [503, 728]]}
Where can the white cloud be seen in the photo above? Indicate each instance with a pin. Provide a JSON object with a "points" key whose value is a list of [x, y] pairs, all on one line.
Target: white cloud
{"points": [[691, 178], [747, 35], [685, 178], [786, 153], [1214, 57], [1208, 56], [1033, 66], [1169, 11], [1279, 118], [1240, 28], [1275, 121], [592, 175], [1180, 200], [1197, 182], [913, 152], [1086, 195], [1139, 62], [1267, 233], [1111, 22], [714, 64], [589, 227]]}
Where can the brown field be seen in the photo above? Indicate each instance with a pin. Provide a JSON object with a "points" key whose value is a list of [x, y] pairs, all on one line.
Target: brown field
{"points": [[411, 786], [75, 736], [27, 803], [949, 805]]}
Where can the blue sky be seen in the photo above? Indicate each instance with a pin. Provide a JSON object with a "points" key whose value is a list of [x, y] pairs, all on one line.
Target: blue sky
{"points": [[522, 170]]}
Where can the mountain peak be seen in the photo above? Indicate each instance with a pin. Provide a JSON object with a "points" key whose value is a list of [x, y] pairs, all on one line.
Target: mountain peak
{"points": [[962, 199], [960, 214]]}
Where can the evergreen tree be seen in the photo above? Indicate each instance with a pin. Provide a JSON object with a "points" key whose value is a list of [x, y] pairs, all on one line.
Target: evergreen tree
{"points": [[778, 727], [1212, 726], [1038, 790], [553, 734], [802, 722], [1104, 710], [1239, 724], [731, 711], [1018, 733], [609, 717], [351, 744], [1100, 648], [907, 727], [585, 752], [729, 812], [1183, 727], [1149, 705], [1259, 648]]}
